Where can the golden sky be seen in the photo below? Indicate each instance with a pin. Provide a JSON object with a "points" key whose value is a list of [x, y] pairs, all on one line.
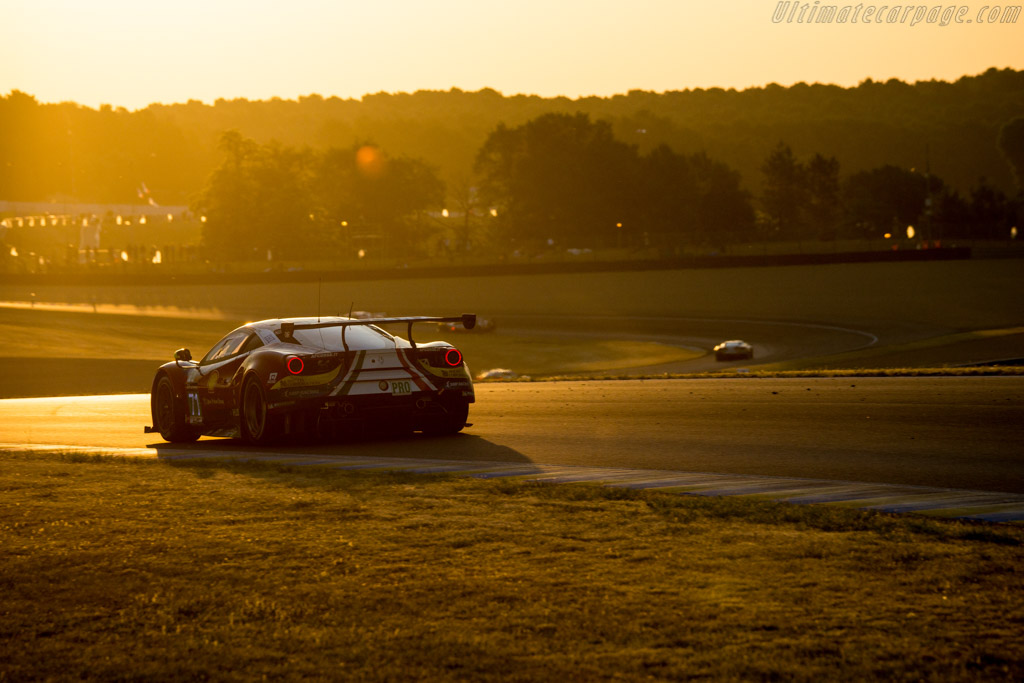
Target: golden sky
{"points": [[132, 53]]}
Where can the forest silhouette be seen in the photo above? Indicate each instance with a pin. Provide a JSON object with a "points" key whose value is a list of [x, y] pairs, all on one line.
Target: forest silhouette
{"points": [[101, 155], [799, 162]]}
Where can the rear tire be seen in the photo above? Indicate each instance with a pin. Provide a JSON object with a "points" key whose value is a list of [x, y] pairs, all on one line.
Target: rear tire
{"points": [[452, 422], [169, 415], [257, 425]]}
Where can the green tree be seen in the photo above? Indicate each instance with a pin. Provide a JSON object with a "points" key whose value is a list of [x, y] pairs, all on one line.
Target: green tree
{"points": [[693, 199], [372, 200], [823, 208], [1011, 143], [258, 201], [229, 201], [561, 178], [468, 228], [887, 200], [725, 213], [785, 193], [992, 213], [669, 194]]}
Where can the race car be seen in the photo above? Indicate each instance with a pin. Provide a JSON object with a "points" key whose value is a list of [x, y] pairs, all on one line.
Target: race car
{"points": [[483, 325], [326, 377], [733, 349]]}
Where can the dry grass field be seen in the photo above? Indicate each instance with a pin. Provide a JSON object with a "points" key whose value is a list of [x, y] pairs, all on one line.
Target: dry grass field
{"points": [[135, 569]]}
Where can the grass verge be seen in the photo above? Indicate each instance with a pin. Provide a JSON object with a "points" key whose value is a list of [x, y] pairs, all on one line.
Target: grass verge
{"points": [[542, 355], [74, 334], [136, 569], [922, 352]]}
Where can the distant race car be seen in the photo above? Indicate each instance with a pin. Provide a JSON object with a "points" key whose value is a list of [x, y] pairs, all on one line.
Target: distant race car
{"points": [[328, 376], [498, 373], [482, 325], [367, 315], [734, 350]]}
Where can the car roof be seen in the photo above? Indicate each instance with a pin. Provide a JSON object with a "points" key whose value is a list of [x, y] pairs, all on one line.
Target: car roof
{"points": [[268, 330], [275, 323]]}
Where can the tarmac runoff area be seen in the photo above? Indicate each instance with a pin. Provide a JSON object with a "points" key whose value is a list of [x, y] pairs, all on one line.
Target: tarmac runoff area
{"points": [[987, 506]]}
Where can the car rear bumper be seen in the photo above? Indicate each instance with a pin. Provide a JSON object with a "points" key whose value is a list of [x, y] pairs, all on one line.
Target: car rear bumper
{"points": [[335, 416]]}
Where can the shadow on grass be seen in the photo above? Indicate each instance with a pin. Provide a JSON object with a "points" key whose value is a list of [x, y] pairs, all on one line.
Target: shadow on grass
{"points": [[460, 447], [340, 465]]}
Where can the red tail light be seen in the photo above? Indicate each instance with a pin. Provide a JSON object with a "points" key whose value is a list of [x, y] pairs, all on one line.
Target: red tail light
{"points": [[295, 365], [441, 357]]}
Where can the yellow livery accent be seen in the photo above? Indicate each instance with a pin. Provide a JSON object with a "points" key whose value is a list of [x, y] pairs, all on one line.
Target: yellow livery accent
{"points": [[453, 373], [306, 380]]}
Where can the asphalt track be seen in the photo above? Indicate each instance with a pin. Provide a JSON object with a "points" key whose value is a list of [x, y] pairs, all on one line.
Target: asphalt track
{"points": [[949, 432]]}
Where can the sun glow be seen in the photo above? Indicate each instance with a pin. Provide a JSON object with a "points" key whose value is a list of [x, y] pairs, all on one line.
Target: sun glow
{"points": [[260, 49], [370, 161]]}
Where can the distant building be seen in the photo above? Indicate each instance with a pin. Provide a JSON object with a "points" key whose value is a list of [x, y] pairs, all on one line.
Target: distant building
{"points": [[9, 209]]}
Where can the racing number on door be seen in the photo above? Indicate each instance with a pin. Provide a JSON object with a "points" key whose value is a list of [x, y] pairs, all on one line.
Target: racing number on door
{"points": [[195, 412]]}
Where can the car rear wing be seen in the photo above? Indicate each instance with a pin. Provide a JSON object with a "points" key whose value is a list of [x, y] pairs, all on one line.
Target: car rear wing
{"points": [[468, 321]]}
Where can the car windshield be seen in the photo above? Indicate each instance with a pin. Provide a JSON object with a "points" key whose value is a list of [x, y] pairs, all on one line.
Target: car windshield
{"points": [[239, 341], [356, 336]]}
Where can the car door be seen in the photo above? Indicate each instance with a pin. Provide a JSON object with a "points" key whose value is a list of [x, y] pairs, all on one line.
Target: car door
{"points": [[217, 372]]}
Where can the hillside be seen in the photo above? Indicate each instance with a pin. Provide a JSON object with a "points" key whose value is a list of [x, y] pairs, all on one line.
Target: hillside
{"points": [[50, 151]]}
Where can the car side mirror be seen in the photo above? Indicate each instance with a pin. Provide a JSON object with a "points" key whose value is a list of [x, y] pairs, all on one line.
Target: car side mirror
{"points": [[182, 354]]}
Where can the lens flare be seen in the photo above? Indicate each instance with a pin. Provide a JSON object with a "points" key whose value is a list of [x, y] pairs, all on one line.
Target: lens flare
{"points": [[370, 161]]}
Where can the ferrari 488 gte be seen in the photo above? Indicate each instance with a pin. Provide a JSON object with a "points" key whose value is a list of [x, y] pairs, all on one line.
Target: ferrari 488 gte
{"points": [[326, 377]]}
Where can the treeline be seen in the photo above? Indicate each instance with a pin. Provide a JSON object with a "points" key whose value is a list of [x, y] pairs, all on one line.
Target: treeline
{"points": [[270, 202], [454, 173], [808, 199], [56, 151], [563, 182], [557, 182]]}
